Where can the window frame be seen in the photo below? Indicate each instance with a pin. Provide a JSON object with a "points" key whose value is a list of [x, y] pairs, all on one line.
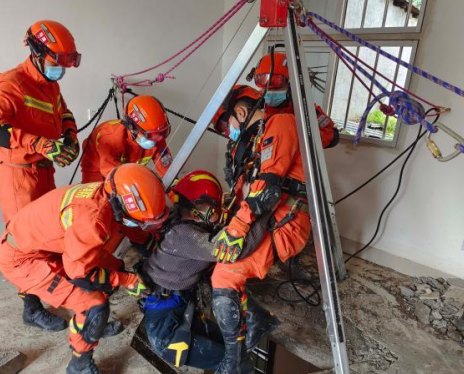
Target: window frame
{"points": [[385, 29], [332, 78]]}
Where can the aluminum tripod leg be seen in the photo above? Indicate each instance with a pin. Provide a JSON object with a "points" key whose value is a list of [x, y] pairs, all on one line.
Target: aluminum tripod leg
{"points": [[311, 152], [221, 93]]}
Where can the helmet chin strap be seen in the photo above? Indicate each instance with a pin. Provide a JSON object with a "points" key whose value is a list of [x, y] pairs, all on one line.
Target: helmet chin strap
{"points": [[39, 63], [251, 113]]}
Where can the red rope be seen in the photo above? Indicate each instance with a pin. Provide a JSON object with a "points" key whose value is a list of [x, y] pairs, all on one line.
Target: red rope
{"points": [[120, 81]]}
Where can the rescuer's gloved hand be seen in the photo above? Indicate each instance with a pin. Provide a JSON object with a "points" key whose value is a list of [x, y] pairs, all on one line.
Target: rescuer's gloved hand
{"points": [[231, 241], [133, 284], [55, 151], [71, 140]]}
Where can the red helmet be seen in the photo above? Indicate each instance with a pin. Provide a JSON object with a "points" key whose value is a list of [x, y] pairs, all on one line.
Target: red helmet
{"points": [[280, 75], [137, 196], [240, 91], [200, 187], [53, 42], [146, 115]]}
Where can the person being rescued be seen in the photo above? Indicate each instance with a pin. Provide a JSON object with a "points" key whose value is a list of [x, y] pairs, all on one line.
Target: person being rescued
{"points": [[56, 248], [139, 137], [267, 179], [173, 272]]}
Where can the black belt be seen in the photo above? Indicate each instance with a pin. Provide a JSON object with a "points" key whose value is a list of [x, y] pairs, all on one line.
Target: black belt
{"points": [[294, 187], [164, 293]]}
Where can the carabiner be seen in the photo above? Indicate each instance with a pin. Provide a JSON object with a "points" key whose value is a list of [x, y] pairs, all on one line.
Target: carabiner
{"points": [[435, 150]]}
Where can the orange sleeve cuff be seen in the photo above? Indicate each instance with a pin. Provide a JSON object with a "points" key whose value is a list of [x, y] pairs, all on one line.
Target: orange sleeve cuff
{"points": [[245, 214], [127, 280]]}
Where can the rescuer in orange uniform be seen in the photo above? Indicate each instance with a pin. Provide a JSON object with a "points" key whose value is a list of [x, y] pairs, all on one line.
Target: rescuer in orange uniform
{"points": [[33, 117], [139, 137], [267, 176], [278, 99], [55, 248]]}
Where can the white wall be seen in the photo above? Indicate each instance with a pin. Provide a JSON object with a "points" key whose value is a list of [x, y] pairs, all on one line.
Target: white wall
{"points": [[118, 36], [426, 225]]}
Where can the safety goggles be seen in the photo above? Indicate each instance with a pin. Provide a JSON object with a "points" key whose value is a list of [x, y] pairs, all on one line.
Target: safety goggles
{"points": [[155, 135], [277, 80], [151, 224], [222, 124], [66, 60]]}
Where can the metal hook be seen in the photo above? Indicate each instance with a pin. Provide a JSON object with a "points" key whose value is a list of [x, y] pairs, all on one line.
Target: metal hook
{"points": [[435, 150]]}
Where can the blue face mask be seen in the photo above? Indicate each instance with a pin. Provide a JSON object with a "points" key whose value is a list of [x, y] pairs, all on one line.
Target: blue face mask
{"points": [[128, 223], [145, 143], [234, 133], [275, 98], [54, 73]]}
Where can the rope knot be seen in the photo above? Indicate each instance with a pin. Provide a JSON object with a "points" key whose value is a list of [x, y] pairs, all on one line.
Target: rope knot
{"points": [[388, 110], [160, 78]]}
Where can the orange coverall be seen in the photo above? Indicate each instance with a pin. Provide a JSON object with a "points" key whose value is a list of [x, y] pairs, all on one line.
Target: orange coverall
{"points": [[62, 236], [33, 107], [326, 125], [280, 155], [110, 145]]}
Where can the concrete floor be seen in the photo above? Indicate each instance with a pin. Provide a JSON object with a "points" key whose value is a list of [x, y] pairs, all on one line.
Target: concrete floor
{"points": [[382, 337]]}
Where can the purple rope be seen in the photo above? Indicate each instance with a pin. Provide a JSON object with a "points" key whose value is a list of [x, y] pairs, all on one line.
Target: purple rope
{"points": [[411, 67], [407, 109]]}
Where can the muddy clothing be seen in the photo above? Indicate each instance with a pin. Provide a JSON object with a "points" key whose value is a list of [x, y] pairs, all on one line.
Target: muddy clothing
{"points": [[185, 254], [178, 265]]}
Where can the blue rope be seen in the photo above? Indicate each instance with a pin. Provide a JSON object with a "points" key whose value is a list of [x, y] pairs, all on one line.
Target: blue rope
{"points": [[408, 110], [411, 67]]}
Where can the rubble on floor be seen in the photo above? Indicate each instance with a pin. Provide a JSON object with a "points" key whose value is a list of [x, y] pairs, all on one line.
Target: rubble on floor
{"points": [[438, 303], [382, 330]]}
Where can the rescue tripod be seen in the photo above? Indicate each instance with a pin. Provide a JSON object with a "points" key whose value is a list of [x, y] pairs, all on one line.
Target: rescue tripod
{"points": [[326, 236], [274, 13]]}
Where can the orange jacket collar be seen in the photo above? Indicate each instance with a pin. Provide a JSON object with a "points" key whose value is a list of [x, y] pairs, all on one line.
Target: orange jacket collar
{"points": [[33, 72]]}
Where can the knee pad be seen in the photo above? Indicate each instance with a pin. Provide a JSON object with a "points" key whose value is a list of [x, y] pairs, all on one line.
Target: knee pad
{"points": [[95, 323], [228, 312]]}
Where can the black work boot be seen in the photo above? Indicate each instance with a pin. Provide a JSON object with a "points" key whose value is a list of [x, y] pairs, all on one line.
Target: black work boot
{"points": [[259, 322], [82, 363], [112, 328], [35, 315], [229, 316]]}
